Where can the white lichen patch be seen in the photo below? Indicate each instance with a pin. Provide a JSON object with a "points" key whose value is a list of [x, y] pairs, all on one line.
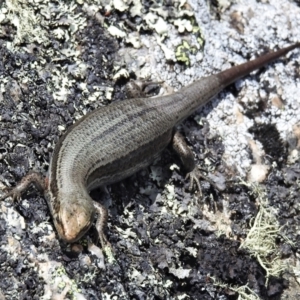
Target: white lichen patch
{"points": [[296, 270], [58, 285], [143, 280], [116, 32], [180, 273], [121, 73], [14, 219], [127, 233], [167, 23], [21, 14], [64, 23]]}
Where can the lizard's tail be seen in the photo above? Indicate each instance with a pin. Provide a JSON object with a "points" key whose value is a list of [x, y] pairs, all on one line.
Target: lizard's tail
{"points": [[231, 75]]}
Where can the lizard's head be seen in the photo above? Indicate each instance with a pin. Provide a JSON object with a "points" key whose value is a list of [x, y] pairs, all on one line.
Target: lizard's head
{"points": [[74, 219]]}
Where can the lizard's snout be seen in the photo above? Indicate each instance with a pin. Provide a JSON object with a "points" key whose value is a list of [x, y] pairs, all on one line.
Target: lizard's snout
{"points": [[73, 222]]}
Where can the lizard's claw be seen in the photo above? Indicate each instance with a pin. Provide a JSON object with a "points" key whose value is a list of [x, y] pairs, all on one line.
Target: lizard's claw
{"points": [[14, 193], [194, 176], [217, 180]]}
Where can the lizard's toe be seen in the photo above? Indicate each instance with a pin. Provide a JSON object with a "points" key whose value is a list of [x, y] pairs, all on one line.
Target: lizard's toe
{"points": [[194, 176], [14, 193], [217, 180]]}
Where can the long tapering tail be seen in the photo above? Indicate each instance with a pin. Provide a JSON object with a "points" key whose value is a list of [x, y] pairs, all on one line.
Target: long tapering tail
{"points": [[231, 75]]}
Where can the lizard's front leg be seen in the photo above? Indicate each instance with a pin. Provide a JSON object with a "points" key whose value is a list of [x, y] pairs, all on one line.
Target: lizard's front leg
{"points": [[101, 224], [31, 178]]}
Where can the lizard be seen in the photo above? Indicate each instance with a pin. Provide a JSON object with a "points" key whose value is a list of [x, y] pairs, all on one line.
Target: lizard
{"points": [[115, 141]]}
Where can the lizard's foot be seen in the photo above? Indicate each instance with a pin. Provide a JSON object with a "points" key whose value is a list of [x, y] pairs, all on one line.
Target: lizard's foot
{"points": [[15, 193], [194, 176], [31, 177], [218, 180], [140, 88]]}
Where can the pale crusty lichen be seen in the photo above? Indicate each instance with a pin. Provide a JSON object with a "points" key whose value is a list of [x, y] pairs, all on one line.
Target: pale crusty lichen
{"points": [[59, 284], [28, 24], [37, 21], [160, 19]]}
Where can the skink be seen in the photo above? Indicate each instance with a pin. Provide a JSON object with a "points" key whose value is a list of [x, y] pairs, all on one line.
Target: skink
{"points": [[113, 142]]}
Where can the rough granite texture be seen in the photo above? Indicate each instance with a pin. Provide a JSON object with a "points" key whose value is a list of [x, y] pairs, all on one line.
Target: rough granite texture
{"points": [[62, 59]]}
